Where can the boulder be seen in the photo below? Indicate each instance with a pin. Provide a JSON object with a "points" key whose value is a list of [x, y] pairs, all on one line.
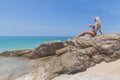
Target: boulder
{"points": [[48, 49]]}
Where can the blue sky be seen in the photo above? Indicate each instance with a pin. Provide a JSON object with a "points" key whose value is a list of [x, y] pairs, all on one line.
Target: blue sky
{"points": [[57, 17]]}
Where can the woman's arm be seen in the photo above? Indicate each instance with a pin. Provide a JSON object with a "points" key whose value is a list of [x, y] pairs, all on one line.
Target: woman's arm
{"points": [[100, 32], [99, 28]]}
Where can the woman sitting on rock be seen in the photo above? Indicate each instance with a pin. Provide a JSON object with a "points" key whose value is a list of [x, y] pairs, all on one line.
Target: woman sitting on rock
{"points": [[95, 28]]}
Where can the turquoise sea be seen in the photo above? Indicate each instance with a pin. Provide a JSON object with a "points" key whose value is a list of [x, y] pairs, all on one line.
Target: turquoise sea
{"points": [[17, 43]]}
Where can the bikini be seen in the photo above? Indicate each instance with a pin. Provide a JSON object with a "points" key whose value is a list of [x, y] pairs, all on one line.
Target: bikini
{"points": [[94, 31]]}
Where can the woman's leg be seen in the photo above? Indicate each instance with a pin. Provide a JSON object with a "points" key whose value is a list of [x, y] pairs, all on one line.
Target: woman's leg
{"points": [[87, 32]]}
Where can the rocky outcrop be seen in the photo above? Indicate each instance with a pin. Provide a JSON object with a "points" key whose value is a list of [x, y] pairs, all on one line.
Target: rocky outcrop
{"points": [[48, 49], [74, 55], [45, 49]]}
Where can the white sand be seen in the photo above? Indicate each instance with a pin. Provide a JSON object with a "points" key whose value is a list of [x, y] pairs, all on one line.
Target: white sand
{"points": [[102, 71]]}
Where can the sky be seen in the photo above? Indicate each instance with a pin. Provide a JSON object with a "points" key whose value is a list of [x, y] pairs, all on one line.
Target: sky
{"points": [[57, 17]]}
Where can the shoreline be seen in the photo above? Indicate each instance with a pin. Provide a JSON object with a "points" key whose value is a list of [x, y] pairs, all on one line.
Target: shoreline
{"points": [[20, 43], [16, 49]]}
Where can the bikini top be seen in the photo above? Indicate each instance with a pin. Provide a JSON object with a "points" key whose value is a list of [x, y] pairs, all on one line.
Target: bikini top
{"points": [[94, 30]]}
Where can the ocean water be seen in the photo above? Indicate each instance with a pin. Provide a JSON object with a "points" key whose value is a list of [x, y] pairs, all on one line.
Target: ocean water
{"points": [[18, 43]]}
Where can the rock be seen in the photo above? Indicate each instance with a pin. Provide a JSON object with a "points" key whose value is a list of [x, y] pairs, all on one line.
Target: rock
{"points": [[106, 58], [116, 54], [80, 42], [57, 68], [48, 49], [61, 51], [91, 51], [97, 58], [19, 53], [71, 64], [71, 56]]}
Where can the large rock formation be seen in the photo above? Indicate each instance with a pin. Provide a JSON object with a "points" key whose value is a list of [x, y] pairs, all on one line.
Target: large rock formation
{"points": [[74, 55]]}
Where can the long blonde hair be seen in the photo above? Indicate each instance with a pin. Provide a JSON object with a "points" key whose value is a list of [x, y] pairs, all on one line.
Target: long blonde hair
{"points": [[97, 20]]}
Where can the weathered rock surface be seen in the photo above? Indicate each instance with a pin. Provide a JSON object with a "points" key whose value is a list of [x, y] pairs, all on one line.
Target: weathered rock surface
{"points": [[72, 56]]}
